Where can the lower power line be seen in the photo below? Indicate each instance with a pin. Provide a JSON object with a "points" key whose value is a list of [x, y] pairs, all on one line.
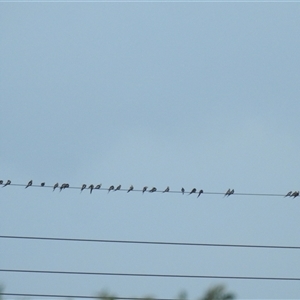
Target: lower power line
{"points": [[77, 296]]}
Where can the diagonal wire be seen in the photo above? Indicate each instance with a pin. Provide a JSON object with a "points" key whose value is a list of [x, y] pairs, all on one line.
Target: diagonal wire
{"points": [[78, 296], [157, 191], [151, 275], [146, 242]]}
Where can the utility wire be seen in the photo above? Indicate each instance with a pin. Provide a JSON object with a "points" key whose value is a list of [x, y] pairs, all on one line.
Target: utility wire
{"points": [[146, 242], [185, 192], [151, 275], [79, 296]]}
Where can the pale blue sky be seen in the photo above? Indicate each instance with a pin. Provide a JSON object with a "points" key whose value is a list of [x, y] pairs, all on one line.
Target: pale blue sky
{"points": [[201, 95]]}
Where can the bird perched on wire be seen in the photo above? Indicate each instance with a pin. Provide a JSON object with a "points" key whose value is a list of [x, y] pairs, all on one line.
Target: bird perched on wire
{"points": [[182, 191], [295, 194], [288, 194], [193, 191], [118, 187], [91, 187], [43, 184], [144, 189], [200, 192], [231, 192], [82, 187], [130, 189], [153, 190], [1, 181], [28, 184], [98, 186], [111, 188], [166, 190], [227, 193], [64, 186], [55, 186], [8, 182]]}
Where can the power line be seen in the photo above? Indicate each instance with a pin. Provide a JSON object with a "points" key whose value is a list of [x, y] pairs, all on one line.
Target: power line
{"points": [[147, 242], [185, 192], [78, 296], [151, 275]]}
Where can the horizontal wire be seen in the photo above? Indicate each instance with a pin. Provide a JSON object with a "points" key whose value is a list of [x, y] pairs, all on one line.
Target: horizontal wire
{"points": [[150, 275], [80, 296], [147, 191], [146, 242]]}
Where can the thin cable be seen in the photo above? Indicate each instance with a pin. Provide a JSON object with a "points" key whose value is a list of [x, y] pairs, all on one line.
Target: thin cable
{"points": [[150, 275], [157, 191], [146, 242], [79, 296]]}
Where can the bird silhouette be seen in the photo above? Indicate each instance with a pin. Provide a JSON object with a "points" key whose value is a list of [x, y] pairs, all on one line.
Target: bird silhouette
{"points": [[28, 184], [182, 191], [91, 187], [98, 186], [43, 184], [55, 186], [200, 192], [166, 190], [144, 189], [111, 188], [288, 194], [1, 181], [295, 194], [153, 190], [118, 187], [231, 192], [63, 186], [82, 187], [130, 189], [193, 191], [8, 182], [227, 193]]}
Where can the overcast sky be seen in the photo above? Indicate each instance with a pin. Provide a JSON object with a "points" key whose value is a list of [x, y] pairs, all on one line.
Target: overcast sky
{"points": [[202, 95]]}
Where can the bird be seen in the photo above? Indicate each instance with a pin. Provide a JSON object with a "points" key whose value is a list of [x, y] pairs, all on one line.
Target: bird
{"points": [[8, 182], [288, 194], [83, 187], [231, 192], [63, 186], [55, 186], [98, 186], [28, 184], [200, 192], [91, 187], [130, 189], [152, 190], [118, 187], [144, 189], [193, 191], [227, 193], [111, 188], [166, 190], [295, 194], [1, 181], [182, 191], [43, 184]]}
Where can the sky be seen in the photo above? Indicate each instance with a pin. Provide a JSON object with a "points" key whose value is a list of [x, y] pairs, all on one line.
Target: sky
{"points": [[182, 94]]}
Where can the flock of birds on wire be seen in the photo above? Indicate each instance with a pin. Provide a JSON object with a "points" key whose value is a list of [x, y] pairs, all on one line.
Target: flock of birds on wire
{"points": [[131, 188]]}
